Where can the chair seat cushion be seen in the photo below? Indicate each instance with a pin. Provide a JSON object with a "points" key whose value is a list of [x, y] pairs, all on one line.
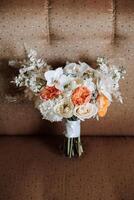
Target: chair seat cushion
{"points": [[34, 168]]}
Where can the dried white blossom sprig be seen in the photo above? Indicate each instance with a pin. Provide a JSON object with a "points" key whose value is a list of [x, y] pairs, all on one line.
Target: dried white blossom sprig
{"points": [[108, 79], [31, 72]]}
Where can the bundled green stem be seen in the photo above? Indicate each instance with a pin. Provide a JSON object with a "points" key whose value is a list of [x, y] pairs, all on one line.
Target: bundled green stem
{"points": [[73, 147]]}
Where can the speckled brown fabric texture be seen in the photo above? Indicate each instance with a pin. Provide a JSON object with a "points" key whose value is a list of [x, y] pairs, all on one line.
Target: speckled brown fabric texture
{"points": [[66, 30], [33, 168]]}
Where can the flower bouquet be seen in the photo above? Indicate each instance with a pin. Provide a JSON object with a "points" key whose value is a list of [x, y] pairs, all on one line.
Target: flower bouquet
{"points": [[71, 93]]}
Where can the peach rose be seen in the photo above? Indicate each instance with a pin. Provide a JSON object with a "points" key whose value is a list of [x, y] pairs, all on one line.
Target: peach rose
{"points": [[81, 95], [103, 104], [49, 93]]}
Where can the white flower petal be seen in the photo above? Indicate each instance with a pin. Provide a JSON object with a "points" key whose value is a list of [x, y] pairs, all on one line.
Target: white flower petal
{"points": [[89, 84], [53, 76]]}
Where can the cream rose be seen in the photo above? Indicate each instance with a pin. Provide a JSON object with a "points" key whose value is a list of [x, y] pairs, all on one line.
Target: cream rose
{"points": [[85, 111], [64, 108]]}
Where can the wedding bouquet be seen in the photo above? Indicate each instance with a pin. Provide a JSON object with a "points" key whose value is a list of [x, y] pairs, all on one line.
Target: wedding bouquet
{"points": [[74, 93]]}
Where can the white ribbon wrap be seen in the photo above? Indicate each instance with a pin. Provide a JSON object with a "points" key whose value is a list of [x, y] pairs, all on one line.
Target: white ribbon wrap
{"points": [[72, 129]]}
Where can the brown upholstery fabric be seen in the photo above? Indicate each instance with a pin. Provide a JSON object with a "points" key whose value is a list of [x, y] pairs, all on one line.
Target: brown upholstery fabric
{"points": [[66, 30], [32, 168]]}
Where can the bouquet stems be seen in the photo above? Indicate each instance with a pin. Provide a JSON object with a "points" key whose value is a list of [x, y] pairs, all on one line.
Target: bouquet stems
{"points": [[73, 147]]}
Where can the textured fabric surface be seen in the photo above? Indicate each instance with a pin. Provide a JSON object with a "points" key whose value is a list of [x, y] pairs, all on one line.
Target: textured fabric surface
{"points": [[66, 30], [34, 168]]}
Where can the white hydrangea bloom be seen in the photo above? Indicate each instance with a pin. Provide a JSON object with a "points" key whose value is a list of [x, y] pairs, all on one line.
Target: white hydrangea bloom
{"points": [[46, 108]]}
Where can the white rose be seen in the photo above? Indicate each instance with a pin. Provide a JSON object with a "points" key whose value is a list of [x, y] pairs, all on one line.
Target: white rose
{"points": [[85, 111], [64, 108]]}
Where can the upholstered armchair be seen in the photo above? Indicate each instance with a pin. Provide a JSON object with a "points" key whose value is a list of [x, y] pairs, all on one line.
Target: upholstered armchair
{"points": [[32, 165]]}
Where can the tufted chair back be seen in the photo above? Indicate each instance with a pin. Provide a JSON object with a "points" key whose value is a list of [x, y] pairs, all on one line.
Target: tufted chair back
{"points": [[62, 30]]}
